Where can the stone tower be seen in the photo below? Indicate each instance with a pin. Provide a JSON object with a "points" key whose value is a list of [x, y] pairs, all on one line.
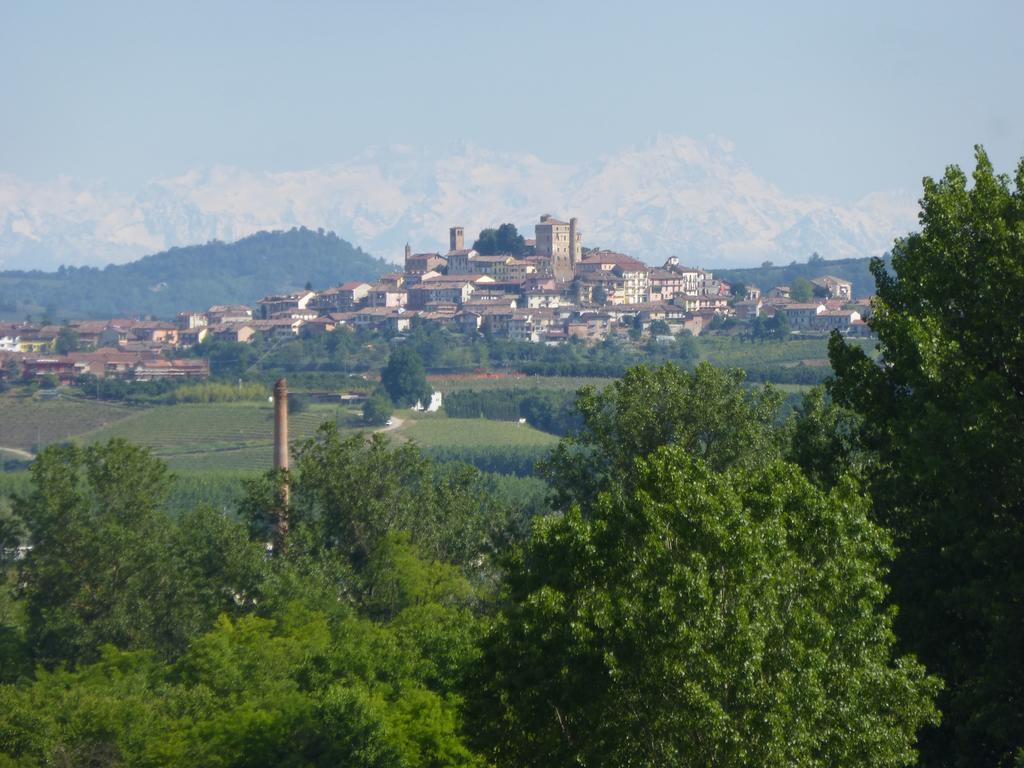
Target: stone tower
{"points": [[455, 239], [574, 254]]}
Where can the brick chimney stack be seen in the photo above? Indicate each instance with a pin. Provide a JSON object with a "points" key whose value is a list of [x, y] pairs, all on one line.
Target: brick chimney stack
{"points": [[281, 464], [281, 424]]}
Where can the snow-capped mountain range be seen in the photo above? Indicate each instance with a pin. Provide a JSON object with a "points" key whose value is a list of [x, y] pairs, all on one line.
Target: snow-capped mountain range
{"points": [[675, 196]]}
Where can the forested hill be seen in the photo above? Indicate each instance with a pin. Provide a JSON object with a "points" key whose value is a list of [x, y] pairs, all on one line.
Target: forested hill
{"points": [[766, 278], [194, 277]]}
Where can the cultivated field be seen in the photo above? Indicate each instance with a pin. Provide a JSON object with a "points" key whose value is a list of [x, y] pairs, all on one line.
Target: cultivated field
{"points": [[28, 422], [216, 436], [441, 432]]}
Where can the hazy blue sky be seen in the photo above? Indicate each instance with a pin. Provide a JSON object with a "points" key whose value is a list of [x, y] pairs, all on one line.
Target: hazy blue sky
{"points": [[816, 98]]}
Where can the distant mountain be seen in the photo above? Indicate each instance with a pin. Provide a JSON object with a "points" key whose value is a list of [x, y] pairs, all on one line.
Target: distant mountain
{"points": [[675, 196], [192, 278]]}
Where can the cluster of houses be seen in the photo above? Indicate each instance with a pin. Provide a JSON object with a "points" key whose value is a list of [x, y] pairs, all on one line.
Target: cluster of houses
{"points": [[138, 350], [552, 290]]}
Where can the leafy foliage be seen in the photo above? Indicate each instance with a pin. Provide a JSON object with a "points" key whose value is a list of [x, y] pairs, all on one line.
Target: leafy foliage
{"points": [[700, 602], [708, 412], [404, 378], [945, 417], [377, 410], [801, 290], [504, 239], [107, 565]]}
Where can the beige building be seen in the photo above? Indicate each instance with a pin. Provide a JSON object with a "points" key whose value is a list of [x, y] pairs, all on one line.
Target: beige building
{"points": [[560, 241], [834, 287], [459, 257], [633, 274], [417, 264]]}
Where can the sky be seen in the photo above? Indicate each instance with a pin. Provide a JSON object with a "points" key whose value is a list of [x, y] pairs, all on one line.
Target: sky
{"points": [[833, 99]]}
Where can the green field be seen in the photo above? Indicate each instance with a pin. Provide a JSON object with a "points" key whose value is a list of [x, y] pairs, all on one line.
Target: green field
{"points": [[28, 422], [441, 432], [216, 436], [732, 352]]}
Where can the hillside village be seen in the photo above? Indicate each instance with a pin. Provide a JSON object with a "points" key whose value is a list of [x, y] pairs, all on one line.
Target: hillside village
{"points": [[551, 290]]}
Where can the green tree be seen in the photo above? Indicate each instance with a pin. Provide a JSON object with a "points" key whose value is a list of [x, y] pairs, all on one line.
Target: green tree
{"points": [[348, 493], [67, 340], [944, 415], [377, 410], [636, 329], [302, 689], [688, 616], [404, 377], [709, 412], [504, 239], [660, 328], [599, 295], [775, 327], [802, 290], [108, 565], [821, 438]]}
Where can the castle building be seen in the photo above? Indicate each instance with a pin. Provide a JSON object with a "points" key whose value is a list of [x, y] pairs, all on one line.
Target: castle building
{"points": [[562, 243]]}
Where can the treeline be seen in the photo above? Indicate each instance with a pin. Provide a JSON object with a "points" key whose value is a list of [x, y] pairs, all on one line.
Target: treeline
{"points": [[168, 391], [551, 411]]}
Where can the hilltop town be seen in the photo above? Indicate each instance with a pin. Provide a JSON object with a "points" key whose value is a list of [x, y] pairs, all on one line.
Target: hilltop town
{"points": [[544, 290]]}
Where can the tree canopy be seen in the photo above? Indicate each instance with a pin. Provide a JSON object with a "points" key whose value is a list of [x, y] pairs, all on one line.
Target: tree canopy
{"points": [[676, 613], [504, 239], [404, 378], [944, 415], [801, 290]]}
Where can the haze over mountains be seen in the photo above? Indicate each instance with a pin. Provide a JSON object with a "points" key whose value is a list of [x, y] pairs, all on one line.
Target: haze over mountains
{"points": [[675, 196]]}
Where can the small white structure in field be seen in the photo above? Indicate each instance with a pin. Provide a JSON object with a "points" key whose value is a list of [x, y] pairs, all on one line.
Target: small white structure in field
{"points": [[433, 406]]}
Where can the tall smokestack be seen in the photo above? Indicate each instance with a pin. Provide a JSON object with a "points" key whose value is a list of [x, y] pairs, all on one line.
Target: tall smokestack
{"points": [[281, 424], [281, 462]]}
